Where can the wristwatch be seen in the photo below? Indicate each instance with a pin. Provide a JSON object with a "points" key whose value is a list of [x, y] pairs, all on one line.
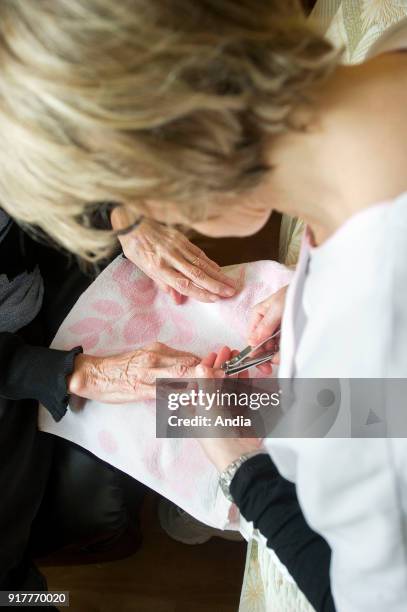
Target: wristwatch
{"points": [[226, 477]]}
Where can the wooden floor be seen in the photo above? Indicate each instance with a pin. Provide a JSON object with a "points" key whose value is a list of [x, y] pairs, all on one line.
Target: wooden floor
{"points": [[163, 576]]}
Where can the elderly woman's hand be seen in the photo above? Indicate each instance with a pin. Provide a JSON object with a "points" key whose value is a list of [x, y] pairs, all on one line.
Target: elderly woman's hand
{"points": [[129, 377], [179, 267]]}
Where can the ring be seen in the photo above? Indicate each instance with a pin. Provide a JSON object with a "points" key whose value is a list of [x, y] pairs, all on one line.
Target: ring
{"points": [[196, 261]]}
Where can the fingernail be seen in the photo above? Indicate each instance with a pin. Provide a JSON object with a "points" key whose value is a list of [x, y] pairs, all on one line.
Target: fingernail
{"points": [[228, 291]]}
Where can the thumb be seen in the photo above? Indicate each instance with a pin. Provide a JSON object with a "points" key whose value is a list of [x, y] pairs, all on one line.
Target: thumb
{"points": [[203, 371], [266, 327]]}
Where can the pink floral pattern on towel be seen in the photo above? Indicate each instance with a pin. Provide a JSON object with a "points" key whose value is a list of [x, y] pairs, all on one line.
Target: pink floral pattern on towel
{"points": [[122, 310]]}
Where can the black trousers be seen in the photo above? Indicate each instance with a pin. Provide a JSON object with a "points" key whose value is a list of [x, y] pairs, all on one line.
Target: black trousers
{"points": [[25, 460]]}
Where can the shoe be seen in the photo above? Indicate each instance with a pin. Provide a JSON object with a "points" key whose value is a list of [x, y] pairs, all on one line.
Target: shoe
{"points": [[182, 527]]}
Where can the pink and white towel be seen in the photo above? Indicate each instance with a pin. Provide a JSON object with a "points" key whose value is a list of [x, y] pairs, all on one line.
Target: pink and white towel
{"points": [[122, 310]]}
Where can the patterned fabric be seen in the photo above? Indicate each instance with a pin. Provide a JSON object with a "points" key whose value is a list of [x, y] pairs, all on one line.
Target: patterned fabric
{"points": [[253, 598], [356, 24], [353, 25], [290, 240], [124, 309], [266, 587]]}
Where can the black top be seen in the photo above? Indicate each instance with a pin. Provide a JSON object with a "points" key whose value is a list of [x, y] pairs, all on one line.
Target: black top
{"points": [[26, 372], [270, 502]]}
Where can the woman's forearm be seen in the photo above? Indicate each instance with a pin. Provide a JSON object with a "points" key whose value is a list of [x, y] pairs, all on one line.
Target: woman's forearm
{"points": [[270, 502]]}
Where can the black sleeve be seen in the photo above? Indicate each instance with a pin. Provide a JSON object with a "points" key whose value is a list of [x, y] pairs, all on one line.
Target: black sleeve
{"points": [[35, 372], [270, 501]]}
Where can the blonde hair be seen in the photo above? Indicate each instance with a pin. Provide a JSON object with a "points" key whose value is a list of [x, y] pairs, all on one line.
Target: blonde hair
{"points": [[130, 100]]}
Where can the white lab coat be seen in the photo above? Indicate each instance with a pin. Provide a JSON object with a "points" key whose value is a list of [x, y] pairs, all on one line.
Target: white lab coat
{"points": [[346, 317]]}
